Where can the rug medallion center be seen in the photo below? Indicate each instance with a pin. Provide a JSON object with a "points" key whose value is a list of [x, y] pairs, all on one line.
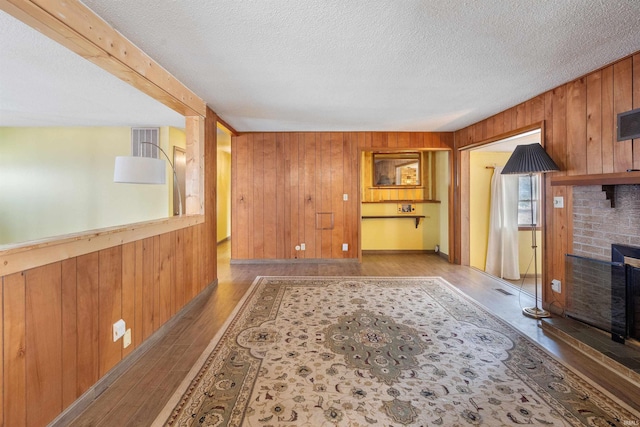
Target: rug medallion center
{"points": [[375, 343]]}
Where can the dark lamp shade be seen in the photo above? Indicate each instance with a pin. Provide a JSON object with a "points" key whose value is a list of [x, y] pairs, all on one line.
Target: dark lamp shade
{"points": [[527, 159]]}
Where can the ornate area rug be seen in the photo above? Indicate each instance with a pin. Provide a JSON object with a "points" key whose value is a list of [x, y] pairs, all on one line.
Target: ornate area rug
{"points": [[377, 351]]}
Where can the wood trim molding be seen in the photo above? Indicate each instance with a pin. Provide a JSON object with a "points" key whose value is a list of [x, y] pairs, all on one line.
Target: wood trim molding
{"points": [[75, 26], [16, 258], [597, 179], [226, 127], [194, 174]]}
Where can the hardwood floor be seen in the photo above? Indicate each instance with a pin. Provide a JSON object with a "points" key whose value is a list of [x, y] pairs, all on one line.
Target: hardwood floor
{"points": [[138, 396]]}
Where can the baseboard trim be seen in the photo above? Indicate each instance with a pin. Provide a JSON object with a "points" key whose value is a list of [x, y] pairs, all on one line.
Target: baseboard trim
{"points": [[296, 261], [83, 402]]}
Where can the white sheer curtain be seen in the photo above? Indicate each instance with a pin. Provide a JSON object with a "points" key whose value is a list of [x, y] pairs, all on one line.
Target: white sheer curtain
{"points": [[502, 249]]}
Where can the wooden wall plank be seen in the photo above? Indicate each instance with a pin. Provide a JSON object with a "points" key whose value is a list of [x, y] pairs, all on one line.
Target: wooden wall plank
{"points": [[404, 139], [283, 195], [288, 188], [138, 321], [337, 190], [259, 212], [69, 328], [165, 279], [110, 306], [324, 190], [622, 101], [148, 291], [269, 197], [577, 127], [129, 302], [201, 232], [608, 120], [594, 123], [88, 321], [378, 140], [179, 285], [43, 289], [351, 207], [189, 263], [416, 140], [300, 203], [14, 352], [310, 196], [392, 139], [559, 122], [250, 202], [240, 195]]}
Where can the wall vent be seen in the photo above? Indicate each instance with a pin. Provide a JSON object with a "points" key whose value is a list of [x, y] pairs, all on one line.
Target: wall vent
{"points": [[140, 135], [629, 125]]}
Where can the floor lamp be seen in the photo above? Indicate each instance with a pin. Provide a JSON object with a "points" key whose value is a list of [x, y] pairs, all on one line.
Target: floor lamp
{"points": [[145, 170], [531, 159]]}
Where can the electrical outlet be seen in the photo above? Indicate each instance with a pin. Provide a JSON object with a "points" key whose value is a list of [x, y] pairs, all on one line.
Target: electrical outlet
{"points": [[556, 285], [119, 329], [345, 247], [345, 197], [302, 247], [126, 341], [558, 202]]}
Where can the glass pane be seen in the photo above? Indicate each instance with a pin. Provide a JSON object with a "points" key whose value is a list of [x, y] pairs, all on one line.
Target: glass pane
{"points": [[526, 198]]}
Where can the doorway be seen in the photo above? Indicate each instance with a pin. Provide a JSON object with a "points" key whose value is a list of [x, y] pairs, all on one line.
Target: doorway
{"points": [[482, 163]]}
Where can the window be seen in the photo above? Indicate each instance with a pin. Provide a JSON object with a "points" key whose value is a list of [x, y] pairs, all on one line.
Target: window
{"points": [[528, 197]]}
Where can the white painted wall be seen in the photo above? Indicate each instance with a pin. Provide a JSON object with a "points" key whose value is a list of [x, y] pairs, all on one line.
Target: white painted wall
{"points": [[56, 181]]}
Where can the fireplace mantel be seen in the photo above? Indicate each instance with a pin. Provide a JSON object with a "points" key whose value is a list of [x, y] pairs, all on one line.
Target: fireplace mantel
{"points": [[598, 179]]}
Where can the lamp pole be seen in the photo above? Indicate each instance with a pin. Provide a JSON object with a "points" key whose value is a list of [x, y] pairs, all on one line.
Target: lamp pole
{"points": [[175, 176], [534, 312]]}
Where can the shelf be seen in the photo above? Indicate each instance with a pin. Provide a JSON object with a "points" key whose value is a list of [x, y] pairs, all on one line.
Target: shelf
{"points": [[416, 217], [598, 179]]}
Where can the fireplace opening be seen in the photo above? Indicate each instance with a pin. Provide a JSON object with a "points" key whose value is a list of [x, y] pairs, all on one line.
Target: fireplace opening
{"points": [[629, 256], [604, 294]]}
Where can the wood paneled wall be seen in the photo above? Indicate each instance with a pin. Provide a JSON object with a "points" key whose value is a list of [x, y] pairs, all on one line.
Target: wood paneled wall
{"points": [[579, 122], [287, 189], [57, 319]]}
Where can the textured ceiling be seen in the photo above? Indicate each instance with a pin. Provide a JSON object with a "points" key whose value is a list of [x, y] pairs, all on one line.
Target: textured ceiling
{"points": [[435, 65]]}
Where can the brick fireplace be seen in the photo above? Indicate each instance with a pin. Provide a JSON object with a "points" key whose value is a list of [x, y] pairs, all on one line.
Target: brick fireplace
{"points": [[600, 287], [603, 215]]}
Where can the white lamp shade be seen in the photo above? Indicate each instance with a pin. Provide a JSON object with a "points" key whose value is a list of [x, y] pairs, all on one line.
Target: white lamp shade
{"points": [[139, 170]]}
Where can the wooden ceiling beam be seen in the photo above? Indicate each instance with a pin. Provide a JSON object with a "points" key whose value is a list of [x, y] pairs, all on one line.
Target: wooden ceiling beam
{"points": [[78, 28]]}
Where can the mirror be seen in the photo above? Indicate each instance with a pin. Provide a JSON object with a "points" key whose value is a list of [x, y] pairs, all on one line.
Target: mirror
{"points": [[396, 169]]}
